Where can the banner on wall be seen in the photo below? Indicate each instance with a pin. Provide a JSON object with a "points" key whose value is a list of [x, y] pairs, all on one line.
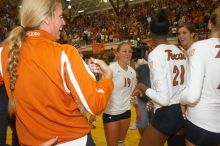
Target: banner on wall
{"points": [[98, 48]]}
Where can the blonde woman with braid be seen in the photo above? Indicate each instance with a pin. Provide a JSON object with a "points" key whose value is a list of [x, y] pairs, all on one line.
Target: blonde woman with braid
{"points": [[48, 84]]}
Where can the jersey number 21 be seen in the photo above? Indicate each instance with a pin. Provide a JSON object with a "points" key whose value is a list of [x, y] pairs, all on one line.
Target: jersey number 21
{"points": [[178, 72]]}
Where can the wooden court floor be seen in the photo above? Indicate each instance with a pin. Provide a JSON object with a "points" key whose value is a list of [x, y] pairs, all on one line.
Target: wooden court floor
{"points": [[132, 138]]}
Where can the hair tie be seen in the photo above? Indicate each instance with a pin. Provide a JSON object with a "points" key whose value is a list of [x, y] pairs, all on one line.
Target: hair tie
{"points": [[22, 26]]}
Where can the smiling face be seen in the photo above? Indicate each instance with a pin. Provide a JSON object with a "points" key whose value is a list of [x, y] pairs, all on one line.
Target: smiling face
{"points": [[124, 54], [56, 21], [185, 37]]}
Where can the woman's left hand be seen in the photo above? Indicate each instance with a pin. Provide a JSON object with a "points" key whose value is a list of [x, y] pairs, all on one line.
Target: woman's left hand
{"points": [[50, 142]]}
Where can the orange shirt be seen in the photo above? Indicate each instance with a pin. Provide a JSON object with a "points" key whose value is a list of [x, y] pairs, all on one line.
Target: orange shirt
{"points": [[48, 73]]}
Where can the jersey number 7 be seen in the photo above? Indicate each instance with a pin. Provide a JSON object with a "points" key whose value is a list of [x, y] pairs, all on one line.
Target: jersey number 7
{"points": [[218, 56]]}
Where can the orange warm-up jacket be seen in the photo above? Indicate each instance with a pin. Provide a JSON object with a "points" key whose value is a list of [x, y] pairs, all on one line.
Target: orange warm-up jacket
{"points": [[48, 73]]}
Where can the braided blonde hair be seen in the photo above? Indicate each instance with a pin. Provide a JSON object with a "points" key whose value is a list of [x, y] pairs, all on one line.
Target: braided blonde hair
{"points": [[32, 13]]}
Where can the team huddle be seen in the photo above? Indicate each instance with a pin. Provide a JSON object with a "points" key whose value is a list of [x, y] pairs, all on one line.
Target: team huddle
{"points": [[50, 87]]}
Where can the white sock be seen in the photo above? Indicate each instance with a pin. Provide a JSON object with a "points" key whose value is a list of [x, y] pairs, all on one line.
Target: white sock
{"points": [[121, 143]]}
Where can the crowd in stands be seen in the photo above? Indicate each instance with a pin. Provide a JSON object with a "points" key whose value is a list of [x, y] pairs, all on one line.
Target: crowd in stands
{"points": [[131, 23], [8, 19]]}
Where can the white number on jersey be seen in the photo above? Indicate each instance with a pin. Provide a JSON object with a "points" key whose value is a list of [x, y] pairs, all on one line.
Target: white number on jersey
{"points": [[218, 56], [179, 72]]}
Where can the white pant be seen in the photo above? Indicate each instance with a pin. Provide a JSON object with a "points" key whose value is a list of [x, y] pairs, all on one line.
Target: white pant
{"points": [[77, 142]]}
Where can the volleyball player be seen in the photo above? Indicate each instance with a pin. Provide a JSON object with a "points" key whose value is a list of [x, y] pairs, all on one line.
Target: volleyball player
{"points": [[202, 93], [167, 73]]}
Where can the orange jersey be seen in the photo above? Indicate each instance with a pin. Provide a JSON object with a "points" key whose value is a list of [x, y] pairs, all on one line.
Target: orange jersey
{"points": [[51, 79]]}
